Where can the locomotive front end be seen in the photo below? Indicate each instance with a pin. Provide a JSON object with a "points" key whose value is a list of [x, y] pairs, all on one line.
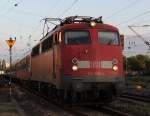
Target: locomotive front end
{"points": [[92, 62]]}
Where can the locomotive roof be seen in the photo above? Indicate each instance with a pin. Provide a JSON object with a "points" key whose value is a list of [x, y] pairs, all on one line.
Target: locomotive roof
{"points": [[76, 22], [79, 22], [86, 26]]}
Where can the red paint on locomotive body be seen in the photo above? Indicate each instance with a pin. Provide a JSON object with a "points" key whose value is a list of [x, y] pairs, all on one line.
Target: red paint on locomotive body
{"points": [[93, 55], [42, 67], [22, 68]]}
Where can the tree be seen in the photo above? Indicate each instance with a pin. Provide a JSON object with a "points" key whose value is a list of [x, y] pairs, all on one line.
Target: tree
{"points": [[139, 63]]}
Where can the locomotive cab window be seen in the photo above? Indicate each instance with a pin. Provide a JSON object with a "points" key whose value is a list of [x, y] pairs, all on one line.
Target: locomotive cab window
{"points": [[108, 38], [77, 37]]}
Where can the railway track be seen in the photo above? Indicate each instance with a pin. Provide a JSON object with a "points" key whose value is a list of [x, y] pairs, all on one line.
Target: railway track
{"points": [[100, 111], [114, 111], [67, 110], [80, 110], [133, 105], [136, 97], [85, 110], [88, 111]]}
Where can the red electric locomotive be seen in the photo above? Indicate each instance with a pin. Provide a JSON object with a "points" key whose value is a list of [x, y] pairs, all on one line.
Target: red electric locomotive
{"points": [[79, 60]]}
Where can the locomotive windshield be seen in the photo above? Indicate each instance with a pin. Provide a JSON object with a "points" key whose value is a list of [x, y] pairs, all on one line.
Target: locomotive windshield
{"points": [[75, 37], [108, 38]]}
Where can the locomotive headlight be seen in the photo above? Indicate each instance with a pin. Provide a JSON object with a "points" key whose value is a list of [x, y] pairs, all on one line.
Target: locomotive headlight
{"points": [[115, 67], [92, 23], [74, 67]]}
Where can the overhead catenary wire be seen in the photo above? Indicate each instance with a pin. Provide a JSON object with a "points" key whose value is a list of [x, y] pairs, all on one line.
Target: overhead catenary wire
{"points": [[133, 18], [143, 21], [11, 8], [4, 5], [4, 15], [13, 5], [14, 21], [123, 9], [68, 8], [133, 36], [28, 13], [55, 6], [8, 11], [139, 36]]}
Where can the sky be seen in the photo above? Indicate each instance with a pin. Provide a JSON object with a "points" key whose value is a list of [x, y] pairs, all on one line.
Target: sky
{"points": [[23, 19]]}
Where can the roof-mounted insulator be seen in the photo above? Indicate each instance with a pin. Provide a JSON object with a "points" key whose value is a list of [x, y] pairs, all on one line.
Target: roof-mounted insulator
{"points": [[81, 19], [73, 19], [99, 19]]}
